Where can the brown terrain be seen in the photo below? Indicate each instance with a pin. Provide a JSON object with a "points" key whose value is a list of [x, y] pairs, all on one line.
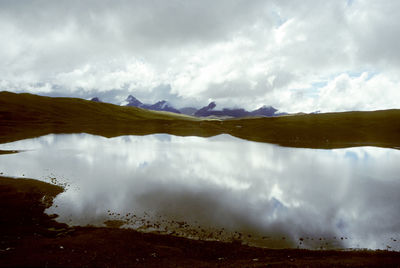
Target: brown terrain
{"points": [[31, 238]]}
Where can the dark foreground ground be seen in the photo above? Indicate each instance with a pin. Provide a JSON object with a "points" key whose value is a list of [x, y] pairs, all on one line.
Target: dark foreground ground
{"points": [[30, 238]]}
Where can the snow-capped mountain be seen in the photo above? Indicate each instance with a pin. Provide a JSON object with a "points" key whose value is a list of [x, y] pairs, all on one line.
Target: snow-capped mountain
{"points": [[158, 106], [209, 110]]}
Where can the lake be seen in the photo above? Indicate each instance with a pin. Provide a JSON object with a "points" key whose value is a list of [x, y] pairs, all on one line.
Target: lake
{"points": [[219, 188]]}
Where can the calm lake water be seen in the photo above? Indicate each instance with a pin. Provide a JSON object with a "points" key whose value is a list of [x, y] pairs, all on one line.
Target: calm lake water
{"points": [[220, 188]]}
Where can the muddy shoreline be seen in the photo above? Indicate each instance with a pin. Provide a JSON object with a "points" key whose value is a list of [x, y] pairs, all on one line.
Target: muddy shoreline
{"points": [[30, 238]]}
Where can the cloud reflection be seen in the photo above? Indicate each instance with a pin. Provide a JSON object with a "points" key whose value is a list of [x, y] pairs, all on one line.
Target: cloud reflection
{"points": [[273, 196]]}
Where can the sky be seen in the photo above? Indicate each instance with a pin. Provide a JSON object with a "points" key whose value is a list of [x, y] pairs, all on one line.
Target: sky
{"points": [[298, 56]]}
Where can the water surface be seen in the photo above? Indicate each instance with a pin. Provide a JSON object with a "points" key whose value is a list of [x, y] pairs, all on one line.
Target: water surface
{"points": [[220, 188]]}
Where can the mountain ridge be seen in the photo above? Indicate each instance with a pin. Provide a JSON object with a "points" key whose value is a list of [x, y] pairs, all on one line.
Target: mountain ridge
{"points": [[162, 105], [206, 111]]}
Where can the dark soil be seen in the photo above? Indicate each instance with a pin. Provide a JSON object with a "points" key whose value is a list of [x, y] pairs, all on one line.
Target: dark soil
{"points": [[30, 238]]}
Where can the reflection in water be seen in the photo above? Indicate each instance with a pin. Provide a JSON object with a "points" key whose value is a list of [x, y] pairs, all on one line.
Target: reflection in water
{"points": [[220, 187]]}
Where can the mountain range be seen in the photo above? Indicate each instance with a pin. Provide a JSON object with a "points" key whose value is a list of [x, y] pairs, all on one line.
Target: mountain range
{"points": [[158, 106], [206, 111], [210, 110]]}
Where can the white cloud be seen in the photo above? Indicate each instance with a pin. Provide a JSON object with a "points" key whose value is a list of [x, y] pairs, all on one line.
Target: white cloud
{"points": [[362, 92], [289, 54]]}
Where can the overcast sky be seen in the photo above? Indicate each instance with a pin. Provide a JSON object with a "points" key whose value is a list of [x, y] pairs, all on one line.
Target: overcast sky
{"points": [[294, 55]]}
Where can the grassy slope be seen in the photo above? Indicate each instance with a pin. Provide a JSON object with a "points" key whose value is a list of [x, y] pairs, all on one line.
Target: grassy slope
{"points": [[330, 130], [26, 116]]}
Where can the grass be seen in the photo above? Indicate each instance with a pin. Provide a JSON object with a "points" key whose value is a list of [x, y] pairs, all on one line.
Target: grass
{"points": [[27, 116]]}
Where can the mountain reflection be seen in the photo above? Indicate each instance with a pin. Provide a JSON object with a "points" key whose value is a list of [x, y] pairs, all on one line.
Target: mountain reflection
{"points": [[220, 188]]}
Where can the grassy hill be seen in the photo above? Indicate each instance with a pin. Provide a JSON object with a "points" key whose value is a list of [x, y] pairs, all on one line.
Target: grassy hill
{"points": [[26, 116]]}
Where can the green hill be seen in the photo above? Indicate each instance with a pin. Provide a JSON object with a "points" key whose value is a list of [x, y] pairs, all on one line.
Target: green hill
{"points": [[26, 116]]}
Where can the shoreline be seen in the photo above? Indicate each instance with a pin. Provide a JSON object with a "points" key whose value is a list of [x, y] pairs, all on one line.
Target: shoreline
{"points": [[29, 237]]}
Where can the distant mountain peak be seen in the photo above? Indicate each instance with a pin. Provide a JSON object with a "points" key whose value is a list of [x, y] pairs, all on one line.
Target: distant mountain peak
{"points": [[162, 105], [211, 105], [235, 112], [205, 111], [132, 101], [96, 99], [264, 111]]}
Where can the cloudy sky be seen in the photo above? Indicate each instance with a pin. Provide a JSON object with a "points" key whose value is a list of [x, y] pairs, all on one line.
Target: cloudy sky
{"points": [[294, 55]]}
